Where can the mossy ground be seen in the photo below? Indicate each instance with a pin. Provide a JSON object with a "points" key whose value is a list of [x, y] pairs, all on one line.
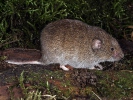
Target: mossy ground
{"points": [[107, 84]]}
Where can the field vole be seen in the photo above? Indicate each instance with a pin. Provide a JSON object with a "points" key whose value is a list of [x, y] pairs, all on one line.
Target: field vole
{"points": [[77, 44]]}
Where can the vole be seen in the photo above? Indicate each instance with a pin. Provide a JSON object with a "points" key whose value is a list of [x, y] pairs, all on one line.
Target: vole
{"points": [[75, 43]]}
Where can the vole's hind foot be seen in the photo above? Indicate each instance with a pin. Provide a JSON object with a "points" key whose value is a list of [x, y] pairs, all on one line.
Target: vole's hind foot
{"points": [[66, 67], [69, 67]]}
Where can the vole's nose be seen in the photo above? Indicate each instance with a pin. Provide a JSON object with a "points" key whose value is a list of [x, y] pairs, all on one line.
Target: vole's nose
{"points": [[118, 55]]}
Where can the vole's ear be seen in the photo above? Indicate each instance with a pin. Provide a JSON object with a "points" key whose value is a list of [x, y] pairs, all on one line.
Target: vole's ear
{"points": [[96, 44]]}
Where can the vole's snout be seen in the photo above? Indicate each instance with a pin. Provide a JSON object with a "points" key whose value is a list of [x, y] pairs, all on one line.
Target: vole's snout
{"points": [[118, 55]]}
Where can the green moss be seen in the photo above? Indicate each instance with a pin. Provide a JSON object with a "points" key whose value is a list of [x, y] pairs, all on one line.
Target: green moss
{"points": [[115, 84], [110, 84]]}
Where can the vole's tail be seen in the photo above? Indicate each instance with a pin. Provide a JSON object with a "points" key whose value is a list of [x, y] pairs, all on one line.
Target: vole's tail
{"points": [[21, 56]]}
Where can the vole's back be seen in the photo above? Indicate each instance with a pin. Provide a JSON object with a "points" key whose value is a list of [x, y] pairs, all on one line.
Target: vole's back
{"points": [[70, 42]]}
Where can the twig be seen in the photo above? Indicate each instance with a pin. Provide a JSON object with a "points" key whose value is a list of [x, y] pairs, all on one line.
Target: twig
{"points": [[8, 43], [96, 95], [50, 96]]}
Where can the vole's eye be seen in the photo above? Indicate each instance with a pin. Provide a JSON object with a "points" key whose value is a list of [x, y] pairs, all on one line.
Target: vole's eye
{"points": [[112, 49]]}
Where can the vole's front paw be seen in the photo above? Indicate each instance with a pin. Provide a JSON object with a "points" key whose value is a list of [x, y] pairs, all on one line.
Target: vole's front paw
{"points": [[99, 67]]}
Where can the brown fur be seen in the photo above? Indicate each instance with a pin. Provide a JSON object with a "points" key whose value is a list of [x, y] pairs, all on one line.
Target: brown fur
{"points": [[70, 42]]}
